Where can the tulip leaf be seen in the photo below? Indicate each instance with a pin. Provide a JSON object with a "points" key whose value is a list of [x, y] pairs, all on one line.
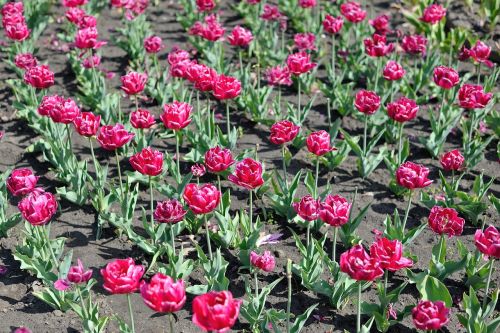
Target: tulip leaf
{"points": [[431, 288]]}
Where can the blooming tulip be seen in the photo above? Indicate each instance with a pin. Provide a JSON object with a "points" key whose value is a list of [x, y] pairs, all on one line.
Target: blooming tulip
{"points": [[283, 132], [153, 44], [472, 96], [488, 242], [247, 174], [148, 162], [38, 207], [201, 200], [25, 61], [428, 315], [122, 276], [332, 25], [414, 44], [169, 211], [163, 294], [352, 11], [446, 77], [390, 254], [133, 83], [318, 143], [380, 24], [307, 208], [77, 274], [452, 160], [240, 37], [446, 221], [21, 182], [176, 115], [393, 71], [367, 102], [142, 119], [402, 110], [433, 14], [112, 137], [264, 262], [39, 77], [412, 176], [216, 311], [377, 46], [218, 159]]}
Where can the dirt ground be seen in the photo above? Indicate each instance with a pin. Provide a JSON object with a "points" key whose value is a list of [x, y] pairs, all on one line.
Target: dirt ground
{"points": [[19, 308]]}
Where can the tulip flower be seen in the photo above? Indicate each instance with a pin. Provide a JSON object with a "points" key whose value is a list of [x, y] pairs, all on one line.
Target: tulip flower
{"points": [[411, 176], [428, 315], [307, 209], [248, 174], [278, 76], [163, 294], [264, 262], [226, 87], [21, 182], [452, 161], [25, 61], [487, 241], [445, 221], [202, 200], [123, 276], [360, 266], [334, 211], [380, 24], [367, 102], [205, 5], [352, 11], [401, 111], [39, 77], [283, 132], [217, 160], [216, 311], [433, 14], [133, 83], [299, 63], [414, 44]]}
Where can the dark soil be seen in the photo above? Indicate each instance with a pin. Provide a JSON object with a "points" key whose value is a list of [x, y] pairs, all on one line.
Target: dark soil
{"points": [[18, 307]]}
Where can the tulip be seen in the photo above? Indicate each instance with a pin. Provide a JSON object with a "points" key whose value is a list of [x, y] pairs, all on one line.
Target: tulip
{"points": [[21, 182], [73, 3], [452, 161], [390, 254], [133, 84], [74, 15], [202, 200], [401, 111], [264, 262], [352, 12], [307, 209], [170, 211], [414, 44], [278, 76], [377, 46], [307, 3], [38, 207], [393, 71], [217, 160], [332, 25], [226, 87], [248, 174], [488, 242], [123, 276], [205, 5], [210, 30], [215, 311], [198, 170], [240, 37], [270, 13], [380, 24], [142, 119], [25, 61], [428, 315], [163, 294], [360, 266], [433, 14], [480, 52], [473, 97], [305, 41], [39, 77], [334, 211], [64, 112], [77, 274], [153, 44], [446, 77], [17, 31], [299, 63], [411, 176], [283, 132], [87, 38], [367, 102], [446, 221]]}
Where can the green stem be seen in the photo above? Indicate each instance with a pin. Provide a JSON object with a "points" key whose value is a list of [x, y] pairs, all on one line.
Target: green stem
{"points": [[240, 56], [177, 156], [478, 74], [51, 250], [364, 134], [334, 245], [208, 238], [406, 213], [218, 183], [151, 203], [84, 308], [119, 174], [131, 313], [400, 146], [485, 299], [289, 300], [68, 131], [172, 238], [358, 317], [279, 104], [228, 123], [298, 105], [386, 278], [377, 74], [316, 179], [171, 322], [329, 113], [256, 284], [284, 168], [251, 211], [333, 55]]}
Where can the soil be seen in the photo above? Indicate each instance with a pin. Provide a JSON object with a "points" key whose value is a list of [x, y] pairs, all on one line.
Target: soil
{"points": [[18, 307]]}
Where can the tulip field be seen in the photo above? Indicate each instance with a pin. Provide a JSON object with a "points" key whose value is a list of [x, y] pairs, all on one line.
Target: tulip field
{"points": [[266, 166]]}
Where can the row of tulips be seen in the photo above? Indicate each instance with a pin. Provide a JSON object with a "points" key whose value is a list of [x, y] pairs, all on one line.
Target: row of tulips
{"points": [[215, 309]]}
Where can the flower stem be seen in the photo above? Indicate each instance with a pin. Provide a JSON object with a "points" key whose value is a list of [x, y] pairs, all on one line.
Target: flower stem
{"points": [[256, 284], [298, 105], [171, 322], [228, 123], [334, 245], [289, 301], [208, 238], [364, 134], [177, 157], [485, 299], [84, 308], [131, 313], [69, 137], [358, 318], [251, 211], [386, 278], [119, 174], [333, 55], [316, 179], [284, 168], [406, 214], [400, 146], [172, 238], [151, 203], [51, 250]]}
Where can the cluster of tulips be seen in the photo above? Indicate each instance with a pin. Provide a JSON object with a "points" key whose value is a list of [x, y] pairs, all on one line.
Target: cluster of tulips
{"points": [[282, 46]]}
